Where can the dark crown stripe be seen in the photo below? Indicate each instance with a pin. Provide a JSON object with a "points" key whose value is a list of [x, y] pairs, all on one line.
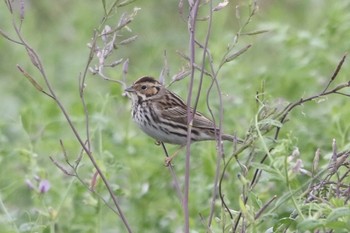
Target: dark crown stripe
{"points": [[146, 79]]}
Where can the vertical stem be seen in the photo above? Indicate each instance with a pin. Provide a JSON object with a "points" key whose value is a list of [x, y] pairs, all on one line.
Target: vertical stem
{"points": [[173, 174], [38, 64], [193, 5]]}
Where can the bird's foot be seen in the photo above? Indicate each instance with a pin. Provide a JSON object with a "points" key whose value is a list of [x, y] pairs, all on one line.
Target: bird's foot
{"points": [[167, 161], [157, 143]]}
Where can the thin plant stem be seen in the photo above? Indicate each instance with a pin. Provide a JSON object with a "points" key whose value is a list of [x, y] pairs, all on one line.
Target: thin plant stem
{"points": [[173, 174], [38, 64], [282, 118], [192, 30], [8, 215]]}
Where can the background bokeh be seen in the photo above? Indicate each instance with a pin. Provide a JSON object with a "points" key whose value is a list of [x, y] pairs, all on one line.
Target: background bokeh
{"points": [[295, 59]]}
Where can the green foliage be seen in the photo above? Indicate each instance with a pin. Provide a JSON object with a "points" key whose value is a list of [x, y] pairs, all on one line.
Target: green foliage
{"points": [[293, 60]]}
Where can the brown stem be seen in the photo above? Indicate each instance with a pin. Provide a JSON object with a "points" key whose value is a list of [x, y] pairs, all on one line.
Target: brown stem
{"points": [[192, 29], [38, 64]]}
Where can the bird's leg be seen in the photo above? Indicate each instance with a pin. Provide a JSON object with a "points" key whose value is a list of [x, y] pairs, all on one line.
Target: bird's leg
{"points": [[157, 143], [170, 158]]}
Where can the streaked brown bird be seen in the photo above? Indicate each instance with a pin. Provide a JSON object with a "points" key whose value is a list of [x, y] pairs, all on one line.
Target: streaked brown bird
{"points": [[163, 115]]}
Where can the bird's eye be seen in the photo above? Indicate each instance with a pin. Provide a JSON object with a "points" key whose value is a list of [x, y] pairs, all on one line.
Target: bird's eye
{"points": [[144, 87]]}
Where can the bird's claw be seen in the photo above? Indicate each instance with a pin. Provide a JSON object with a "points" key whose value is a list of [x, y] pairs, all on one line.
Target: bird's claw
{"points": [[167, 162], [157, 143]]}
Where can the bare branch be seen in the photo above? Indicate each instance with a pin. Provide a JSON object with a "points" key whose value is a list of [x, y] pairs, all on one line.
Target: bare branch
{"points": [[36, 61], [59, 166], [192, 32], [3, 34]]}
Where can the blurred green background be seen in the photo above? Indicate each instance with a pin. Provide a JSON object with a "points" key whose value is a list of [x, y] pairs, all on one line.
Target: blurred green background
{"points": [[295, 58]]}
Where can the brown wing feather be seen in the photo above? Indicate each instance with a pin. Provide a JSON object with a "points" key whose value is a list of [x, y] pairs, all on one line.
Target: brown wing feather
{"points": [[179, 114], [201, 121], [177, 111]]}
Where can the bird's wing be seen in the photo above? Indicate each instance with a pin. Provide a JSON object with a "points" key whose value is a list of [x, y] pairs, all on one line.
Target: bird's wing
{"points": [[201, 121], [178, 113]]}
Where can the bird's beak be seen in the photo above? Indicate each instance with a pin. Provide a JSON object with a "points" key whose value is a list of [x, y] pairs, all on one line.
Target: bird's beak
{"points": [[130, 89]]}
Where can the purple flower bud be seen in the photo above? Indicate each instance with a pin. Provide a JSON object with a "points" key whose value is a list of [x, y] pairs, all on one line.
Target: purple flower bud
{"points": [[44, 186], [21, 9]]}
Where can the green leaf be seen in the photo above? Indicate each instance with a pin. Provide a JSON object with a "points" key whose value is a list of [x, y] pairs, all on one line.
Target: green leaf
{"points": [[338, 226], [104, 6], [338, 213], [273, 172], [310, 224], [284, 222]]}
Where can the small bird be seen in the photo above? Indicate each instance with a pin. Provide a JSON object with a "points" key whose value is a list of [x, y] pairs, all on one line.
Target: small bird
{"points": [[162, 115]]}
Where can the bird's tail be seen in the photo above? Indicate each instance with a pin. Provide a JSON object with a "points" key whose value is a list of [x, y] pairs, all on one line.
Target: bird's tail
{"points": [[231, 138]]}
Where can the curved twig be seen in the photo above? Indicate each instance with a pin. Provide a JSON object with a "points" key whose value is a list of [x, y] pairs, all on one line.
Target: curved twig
{"points": [[36, 61]]}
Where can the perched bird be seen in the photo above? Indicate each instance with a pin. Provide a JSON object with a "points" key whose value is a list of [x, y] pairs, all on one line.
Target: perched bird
{"points": [[163, 115]]}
